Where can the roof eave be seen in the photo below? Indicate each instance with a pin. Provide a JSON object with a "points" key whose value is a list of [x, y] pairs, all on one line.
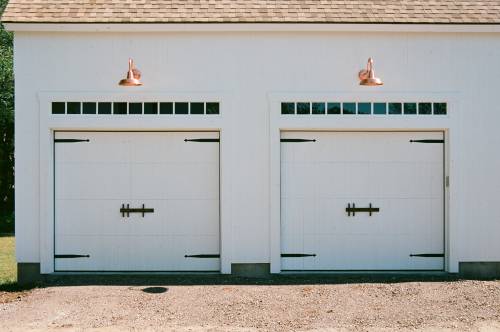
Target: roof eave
{"points": [[241, 27]]}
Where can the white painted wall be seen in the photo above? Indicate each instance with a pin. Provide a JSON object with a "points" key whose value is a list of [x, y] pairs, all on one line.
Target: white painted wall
{"points": [[257, 69]]}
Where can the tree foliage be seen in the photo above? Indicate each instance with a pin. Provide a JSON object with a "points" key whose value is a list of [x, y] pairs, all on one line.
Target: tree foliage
{"points": [[6, 128]]}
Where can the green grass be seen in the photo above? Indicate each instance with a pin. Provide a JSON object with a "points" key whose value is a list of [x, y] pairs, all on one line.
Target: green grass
{"points": [[8, 267]]}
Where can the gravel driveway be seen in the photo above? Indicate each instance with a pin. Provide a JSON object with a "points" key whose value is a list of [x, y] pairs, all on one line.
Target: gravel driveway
{"points": [[279, 304]]}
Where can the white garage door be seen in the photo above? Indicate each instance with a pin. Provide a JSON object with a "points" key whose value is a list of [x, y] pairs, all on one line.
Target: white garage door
{"points": [[137, 201], [325, 174]]}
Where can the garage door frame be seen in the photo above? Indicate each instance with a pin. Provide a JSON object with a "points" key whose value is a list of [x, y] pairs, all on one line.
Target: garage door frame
{"points": [[297, 134], [82, 133], [49, 123], [363, 123]]}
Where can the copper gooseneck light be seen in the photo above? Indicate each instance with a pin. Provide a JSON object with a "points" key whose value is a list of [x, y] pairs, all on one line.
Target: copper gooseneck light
{"points": [[133, 76], [367, 76]]}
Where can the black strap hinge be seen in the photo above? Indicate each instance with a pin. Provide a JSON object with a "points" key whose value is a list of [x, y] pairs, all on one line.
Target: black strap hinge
{"points": [[203, 140], [297, 255], [296, 140], [71, 256], [70, 140], [203, 256], [427, 255], [427, 141]]}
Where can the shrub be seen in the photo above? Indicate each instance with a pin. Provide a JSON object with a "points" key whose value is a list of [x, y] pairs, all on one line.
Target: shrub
{"points": [[6, 129]]}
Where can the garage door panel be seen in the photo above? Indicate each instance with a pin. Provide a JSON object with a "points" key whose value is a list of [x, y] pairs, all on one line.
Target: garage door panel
{"points": [[178, 179], [399, 179], [92, 180], [398, 142], [299, 213], [95, 216], [425, 263], [343, 179], [198, 245], [175, 180], [293, 244], [371, 252], [298, 180], [292, 264], [410, 180], [333, 175], [144, 253], [198, 217], [404, 180], [154, 149], [177, 217], [333, 219], [297, 152], [354, 180], [110, 148]]}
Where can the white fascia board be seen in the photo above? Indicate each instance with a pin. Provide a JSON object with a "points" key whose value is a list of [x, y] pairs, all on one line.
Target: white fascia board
{"points": [[245, 27]]}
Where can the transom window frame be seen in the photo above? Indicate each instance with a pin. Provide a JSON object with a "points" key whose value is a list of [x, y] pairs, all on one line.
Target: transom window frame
{"points": [[135, 108], [364, 108]]}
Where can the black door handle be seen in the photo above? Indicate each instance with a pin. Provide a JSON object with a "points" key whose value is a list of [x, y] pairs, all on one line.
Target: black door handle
{"points": [[353, 209], [128, 210]]}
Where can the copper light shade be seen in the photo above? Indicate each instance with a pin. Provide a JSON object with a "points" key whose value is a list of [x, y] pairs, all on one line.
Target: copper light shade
{"points": [[367, 76], [133, 76]]}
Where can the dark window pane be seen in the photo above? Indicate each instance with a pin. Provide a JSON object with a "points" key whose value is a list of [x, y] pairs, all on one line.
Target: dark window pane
{"points": [[135, 108], [349, 108], [410, 108], [181, 108], [364, 108], [333, 108], [425, 108], [287, 108], [89, 108], [212, 108], [104, 108], [440, 108], [119, 108], [166, 108], [303, 108], [58, 108], [197, 108], [379, 108], [73, 108], [150, 108], [395, 108], [318, 108]]}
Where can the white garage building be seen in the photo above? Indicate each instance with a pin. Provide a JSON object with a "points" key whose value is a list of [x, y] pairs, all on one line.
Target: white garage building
{"points": [[252, 146]]}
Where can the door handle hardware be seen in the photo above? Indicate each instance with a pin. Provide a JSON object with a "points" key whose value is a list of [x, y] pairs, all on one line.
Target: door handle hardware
{"points": [[353, 209], [297, 255], [128, 210], [202, 256]]}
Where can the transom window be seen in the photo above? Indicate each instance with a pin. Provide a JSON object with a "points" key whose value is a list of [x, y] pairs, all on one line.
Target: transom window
{"points": [[136, 108], [363, 108]]}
